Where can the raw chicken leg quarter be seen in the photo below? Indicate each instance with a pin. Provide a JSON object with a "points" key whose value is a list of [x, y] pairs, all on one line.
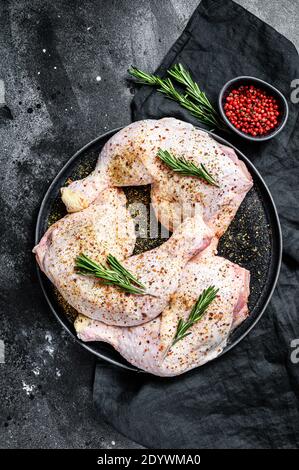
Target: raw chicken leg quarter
{"points": [[148, 346], [86, 231], [130, 158]]}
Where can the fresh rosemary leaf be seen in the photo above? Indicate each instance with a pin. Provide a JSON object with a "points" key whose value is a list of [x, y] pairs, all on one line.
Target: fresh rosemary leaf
{"points": [[113, 274], [115, 264], [143, 77], [186, 168], [194, 100], [196, 314], [182, 76]]}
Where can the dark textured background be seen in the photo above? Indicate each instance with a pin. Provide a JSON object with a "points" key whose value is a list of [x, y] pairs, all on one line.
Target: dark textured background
{"points": [[51, 54]]}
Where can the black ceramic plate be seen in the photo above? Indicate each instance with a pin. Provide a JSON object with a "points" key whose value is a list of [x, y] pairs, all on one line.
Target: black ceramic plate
{"points": [[253, 240]]}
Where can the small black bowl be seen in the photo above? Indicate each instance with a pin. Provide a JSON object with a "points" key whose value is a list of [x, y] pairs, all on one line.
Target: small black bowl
{"points": [[245, 80]]}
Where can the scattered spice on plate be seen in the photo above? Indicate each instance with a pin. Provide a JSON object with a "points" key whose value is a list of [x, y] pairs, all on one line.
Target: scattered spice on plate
{"points": [[252, 110]]}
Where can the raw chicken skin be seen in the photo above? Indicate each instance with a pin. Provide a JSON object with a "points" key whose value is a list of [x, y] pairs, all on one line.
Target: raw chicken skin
{"points": [[118, 165], [148, 346], [130, 158], [158, 269], [175, 196], [91, 232], [104, 227]]}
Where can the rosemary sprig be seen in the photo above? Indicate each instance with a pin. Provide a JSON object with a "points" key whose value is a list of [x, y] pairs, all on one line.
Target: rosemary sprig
{"points": [[115, 264], [113, 274], [186, 168], [181, 75], [196, 314], [195, 101]]}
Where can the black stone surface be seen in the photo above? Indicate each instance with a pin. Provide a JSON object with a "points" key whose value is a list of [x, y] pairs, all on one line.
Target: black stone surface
{"points": [[51, 54]]}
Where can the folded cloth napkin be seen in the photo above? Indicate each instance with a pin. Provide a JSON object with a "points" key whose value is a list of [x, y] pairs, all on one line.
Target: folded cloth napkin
{"points": [[248, 398]]}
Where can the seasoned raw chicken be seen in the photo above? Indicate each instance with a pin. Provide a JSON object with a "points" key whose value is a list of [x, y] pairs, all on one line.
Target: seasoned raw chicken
{"points": [[130, 158], [104, 227], [91, 232], [142, 327], [158, 269], [118, 165], [149, 346]]}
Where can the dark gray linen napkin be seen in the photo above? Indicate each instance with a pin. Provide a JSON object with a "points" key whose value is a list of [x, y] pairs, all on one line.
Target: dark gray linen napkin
{"points": [[248, 398]]}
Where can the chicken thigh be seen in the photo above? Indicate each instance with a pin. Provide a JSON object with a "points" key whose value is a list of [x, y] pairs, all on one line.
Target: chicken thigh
{"points": [[149, 346], [104, 227], [175, 196], [118, 165]]}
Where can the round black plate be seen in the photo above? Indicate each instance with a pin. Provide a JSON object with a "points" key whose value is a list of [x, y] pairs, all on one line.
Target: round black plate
{"points": [[253, 240]]}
